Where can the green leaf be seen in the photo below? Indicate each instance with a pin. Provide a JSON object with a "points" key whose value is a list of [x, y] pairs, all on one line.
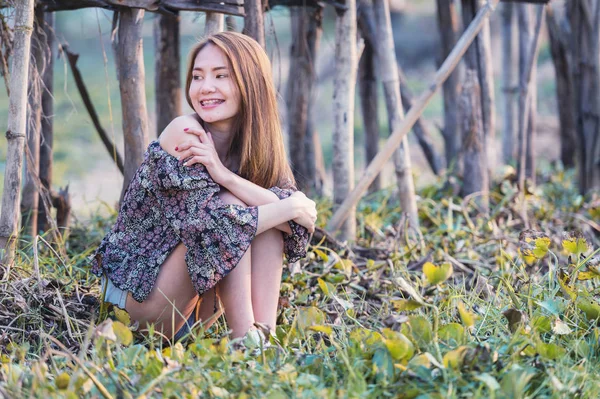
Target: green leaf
{"points": [[383, 364], [309, 316], [322, 329], [321, 254], [467, 318], [454, 358], [421, 330], [574, 243], [533, 245], [123, 334], [589, 307], [122, 315], [452, 333], [437, 274], [542, 324], [550, 351], [488, 380], [516, 319], [399, 346], [325, 287], [405, 304]]}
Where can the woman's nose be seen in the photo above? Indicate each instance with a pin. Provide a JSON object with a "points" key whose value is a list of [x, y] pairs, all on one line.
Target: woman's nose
{"points": [[208, 86]]}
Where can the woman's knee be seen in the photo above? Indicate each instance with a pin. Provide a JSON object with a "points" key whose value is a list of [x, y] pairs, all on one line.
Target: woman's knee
{"points": [[230, 199]]}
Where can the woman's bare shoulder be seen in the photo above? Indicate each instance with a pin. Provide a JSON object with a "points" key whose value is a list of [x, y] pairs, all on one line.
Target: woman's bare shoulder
{"points": [[174, 135]]}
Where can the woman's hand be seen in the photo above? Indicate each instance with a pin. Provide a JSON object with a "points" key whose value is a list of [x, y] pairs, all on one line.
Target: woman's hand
{"points": [[306, 209], [204, 152]]}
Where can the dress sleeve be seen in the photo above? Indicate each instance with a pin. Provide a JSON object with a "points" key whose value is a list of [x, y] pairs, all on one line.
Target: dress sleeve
{"points": [[294, 244], [215, 234]]}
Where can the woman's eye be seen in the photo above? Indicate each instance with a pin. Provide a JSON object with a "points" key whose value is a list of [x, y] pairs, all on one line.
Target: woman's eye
{"points": [[221, 76], [196, 77]]}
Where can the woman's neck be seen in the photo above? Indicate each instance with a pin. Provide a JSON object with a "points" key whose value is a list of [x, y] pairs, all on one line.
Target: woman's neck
{"points": [[222, 138]]}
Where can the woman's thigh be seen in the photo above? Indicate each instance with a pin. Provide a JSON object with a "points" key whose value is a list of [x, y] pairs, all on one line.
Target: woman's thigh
{"points": [[172, 298]]}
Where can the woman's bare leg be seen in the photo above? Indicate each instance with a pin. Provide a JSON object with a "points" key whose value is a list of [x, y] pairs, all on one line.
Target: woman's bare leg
{"points": [[172, 299], [267, 266], [235, 290]]}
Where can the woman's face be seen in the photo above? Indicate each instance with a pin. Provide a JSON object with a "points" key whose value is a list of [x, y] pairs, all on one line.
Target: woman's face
{"points": [[214, 94]]}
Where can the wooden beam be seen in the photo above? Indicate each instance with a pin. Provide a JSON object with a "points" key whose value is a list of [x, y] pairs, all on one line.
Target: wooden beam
{"points": [[231, 7], [411, 117], [526, 1]]}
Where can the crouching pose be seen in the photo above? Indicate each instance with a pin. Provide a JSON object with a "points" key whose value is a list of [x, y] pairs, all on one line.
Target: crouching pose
{"points": [[212, 208]]}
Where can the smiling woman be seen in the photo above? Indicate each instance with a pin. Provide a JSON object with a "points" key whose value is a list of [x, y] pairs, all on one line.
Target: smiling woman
{"points": [[213, 207]]}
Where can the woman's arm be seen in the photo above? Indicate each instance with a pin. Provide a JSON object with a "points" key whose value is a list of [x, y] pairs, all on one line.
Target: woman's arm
{"points": [[189, 144]]}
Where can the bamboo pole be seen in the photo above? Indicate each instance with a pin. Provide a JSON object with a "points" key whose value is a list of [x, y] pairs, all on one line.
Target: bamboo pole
{"points": [[413, 114], [343, 110], [15, 135], [388, 70]]}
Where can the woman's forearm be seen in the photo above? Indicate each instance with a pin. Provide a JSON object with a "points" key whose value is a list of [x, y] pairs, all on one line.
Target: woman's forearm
{"points": [[275, 214], [253, 195], [250, 193]]}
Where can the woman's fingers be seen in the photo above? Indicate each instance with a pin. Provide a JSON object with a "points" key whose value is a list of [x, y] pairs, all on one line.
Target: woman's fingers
{"points": [[188, 149], [201, 133], [196, 159], [187, 155]]}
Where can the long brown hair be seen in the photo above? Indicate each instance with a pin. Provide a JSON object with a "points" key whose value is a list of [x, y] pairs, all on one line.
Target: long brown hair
{"points": [[257, 138]]}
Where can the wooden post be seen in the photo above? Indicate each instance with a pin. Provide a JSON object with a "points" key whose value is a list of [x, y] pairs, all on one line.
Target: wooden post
{"points": [[367, 88], [565, 96], [479, 58], [215, 22], [47, 134], [420, 128], [306, 33], [395, 139], [529, 49], [475, 175], [448, 22], [30, 200], [131, 85], [388, 70], [368, 84], [254, 25], [230, 24], [15, 135], [343, 111], [585, 49], [508, 83], [368, 30], [167, 76]]}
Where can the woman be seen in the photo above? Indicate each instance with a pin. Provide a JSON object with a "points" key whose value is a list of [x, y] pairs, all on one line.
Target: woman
{"points": [[197, 219]]}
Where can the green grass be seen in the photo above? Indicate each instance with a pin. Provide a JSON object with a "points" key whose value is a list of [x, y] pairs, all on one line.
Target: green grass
{"points": [[371, 320]]}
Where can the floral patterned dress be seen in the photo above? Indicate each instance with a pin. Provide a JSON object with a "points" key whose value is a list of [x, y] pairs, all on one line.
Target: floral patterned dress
{"points": [[167, 203]]}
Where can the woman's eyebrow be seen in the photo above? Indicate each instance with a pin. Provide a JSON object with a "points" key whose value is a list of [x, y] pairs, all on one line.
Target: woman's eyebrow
{"points": [[214, 69]]}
